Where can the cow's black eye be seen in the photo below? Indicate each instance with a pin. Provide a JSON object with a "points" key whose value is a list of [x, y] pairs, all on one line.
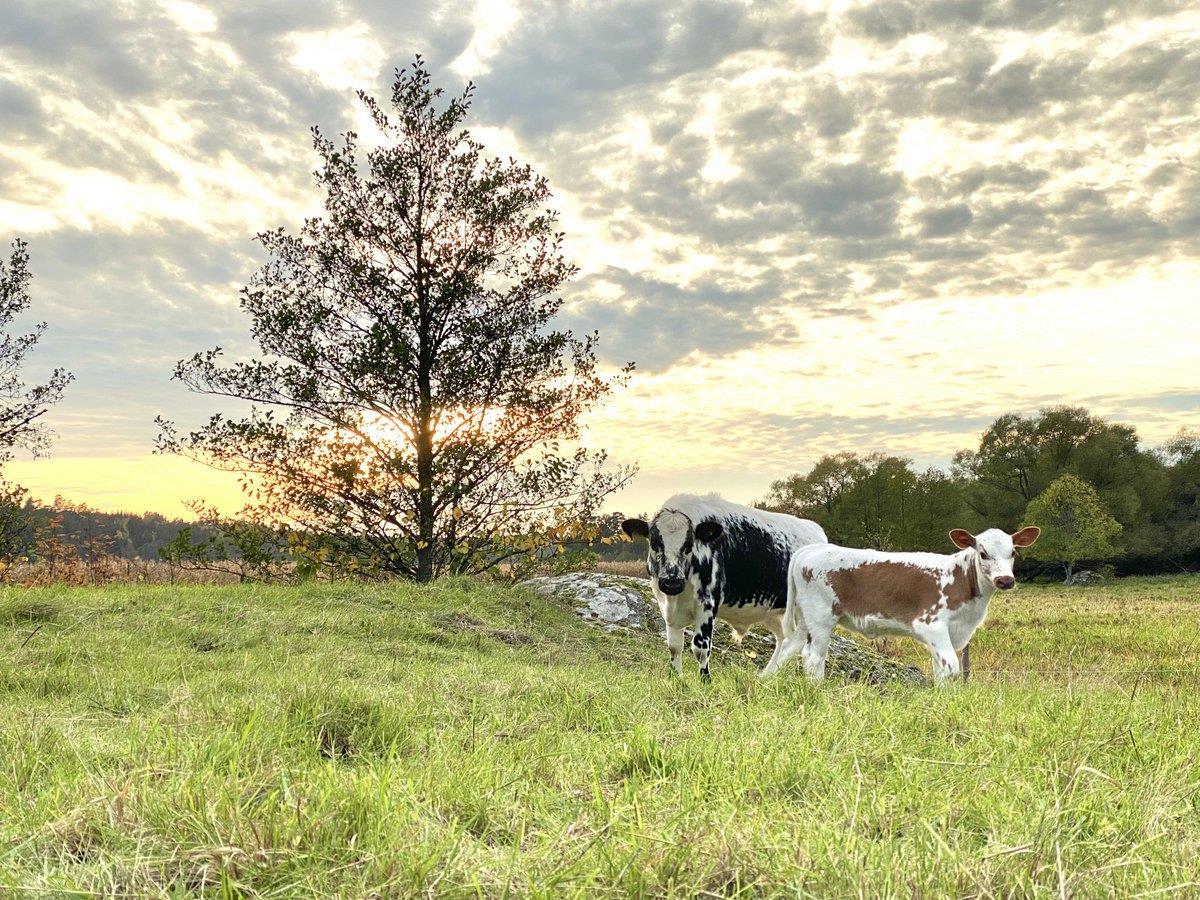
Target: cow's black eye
{"points": [[983, 554]]}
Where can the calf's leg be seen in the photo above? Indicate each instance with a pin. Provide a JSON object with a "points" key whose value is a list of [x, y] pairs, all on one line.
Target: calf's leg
{"points": [[774, 624], [941, 649], [816, 650]]}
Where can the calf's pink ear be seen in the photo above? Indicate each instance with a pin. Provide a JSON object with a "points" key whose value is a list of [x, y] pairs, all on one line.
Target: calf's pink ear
{"points": [[962, 538], [1026, 536]]}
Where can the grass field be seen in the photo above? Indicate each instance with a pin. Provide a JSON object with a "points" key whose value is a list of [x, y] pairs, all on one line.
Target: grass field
{"points": [[470, 740]]}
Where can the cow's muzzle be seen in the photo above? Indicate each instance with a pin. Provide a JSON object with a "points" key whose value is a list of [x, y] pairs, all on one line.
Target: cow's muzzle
{"points": [[670, 586], [1005, 582]]}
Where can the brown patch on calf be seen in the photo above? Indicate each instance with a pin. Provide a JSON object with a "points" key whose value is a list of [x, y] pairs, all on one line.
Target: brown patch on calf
{"points": [[899, 591], [964, 588]]}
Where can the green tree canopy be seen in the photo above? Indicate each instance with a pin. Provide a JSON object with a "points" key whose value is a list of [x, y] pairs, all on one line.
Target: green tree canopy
{"points": [[1182, 456], [1075, 524], [1020, 456], [873, 500]]}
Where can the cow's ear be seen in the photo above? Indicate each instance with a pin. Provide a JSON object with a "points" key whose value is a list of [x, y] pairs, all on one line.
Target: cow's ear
{"points": [[709, 532], [635, 528], [962, 538], [1026, 536]]}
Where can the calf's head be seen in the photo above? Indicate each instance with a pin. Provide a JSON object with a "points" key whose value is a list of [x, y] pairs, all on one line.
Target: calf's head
{"points": [[674, 541], [996, 551]]}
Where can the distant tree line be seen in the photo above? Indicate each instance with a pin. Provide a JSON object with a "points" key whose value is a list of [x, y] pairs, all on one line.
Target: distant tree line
{"points": [[88, 531], [1103, 497]]}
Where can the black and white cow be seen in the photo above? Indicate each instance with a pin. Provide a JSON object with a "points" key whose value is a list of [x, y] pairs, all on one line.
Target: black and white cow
{"points": [[710, 559]]}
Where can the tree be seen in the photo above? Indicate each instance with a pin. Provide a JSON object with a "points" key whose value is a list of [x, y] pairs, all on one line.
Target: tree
{"points": [[413, 403], [873, 500], [1020, 456], [227, 546], [1075, 524], [1182, 456], [22, 406], [21, 527]]}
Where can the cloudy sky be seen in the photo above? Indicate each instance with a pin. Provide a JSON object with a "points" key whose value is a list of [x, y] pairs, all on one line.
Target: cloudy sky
{"points": [[814, 227]]}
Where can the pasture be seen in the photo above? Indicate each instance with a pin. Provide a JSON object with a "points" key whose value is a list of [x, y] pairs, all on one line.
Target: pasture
{"points": [[466, 739]]}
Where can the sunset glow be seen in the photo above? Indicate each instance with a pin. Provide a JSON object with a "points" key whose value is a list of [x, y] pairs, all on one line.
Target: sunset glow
{"points": [[834, 230]]}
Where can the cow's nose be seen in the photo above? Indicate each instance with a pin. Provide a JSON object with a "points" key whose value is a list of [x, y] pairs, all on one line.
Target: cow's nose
{"points": [[671, 586], [1004, 582]]}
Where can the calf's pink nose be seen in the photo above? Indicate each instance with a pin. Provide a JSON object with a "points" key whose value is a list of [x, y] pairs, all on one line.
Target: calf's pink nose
{"points": [[1004, 582]]}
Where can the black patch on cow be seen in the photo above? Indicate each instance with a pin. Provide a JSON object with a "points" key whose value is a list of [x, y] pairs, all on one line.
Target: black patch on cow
{"points": [[656, 541], [752, 564]]}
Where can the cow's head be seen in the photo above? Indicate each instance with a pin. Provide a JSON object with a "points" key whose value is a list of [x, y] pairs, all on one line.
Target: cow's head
{"points": [[674, 541], [996, 551]]}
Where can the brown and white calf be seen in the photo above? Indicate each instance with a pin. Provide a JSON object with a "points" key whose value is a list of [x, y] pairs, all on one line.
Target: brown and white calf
{"points": [[940, 599]]}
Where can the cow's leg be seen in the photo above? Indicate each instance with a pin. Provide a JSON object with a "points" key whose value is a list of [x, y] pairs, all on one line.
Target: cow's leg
{"points": [[675, 645], [941, 649], [708, 601]]}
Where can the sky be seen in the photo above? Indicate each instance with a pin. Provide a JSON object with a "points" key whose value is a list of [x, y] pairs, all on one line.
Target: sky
{"points": [[814, 227]]}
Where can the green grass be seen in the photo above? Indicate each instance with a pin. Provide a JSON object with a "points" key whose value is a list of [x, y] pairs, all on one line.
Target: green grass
{"points": [[468, 740]]}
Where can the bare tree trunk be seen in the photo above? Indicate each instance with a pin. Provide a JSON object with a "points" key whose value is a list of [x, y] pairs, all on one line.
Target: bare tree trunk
{"points": [[425, 523], [424, 435]]}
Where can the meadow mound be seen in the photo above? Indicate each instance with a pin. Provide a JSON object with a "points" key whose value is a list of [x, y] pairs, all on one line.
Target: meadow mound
{"points": [[468, 739], [624, 602]]}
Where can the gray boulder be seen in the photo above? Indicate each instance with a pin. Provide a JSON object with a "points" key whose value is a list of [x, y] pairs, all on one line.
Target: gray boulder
{"points": [[625, 603]]}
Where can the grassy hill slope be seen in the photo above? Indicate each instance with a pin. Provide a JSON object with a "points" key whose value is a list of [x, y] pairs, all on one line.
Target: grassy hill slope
{"points": [[466, 739]]}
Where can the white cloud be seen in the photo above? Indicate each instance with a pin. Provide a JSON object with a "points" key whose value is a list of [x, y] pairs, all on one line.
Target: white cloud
{"points": [[342, 58], [830, 229]]}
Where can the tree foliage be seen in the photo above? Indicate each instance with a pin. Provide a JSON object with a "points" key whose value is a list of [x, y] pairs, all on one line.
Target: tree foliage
{"points": [[1075, 524], [873, 500], [22, 406], [881, 501], [413, 407], [217, 543], [1020, 456]]}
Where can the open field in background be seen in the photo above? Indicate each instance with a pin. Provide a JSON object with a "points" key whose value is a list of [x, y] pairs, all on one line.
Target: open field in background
{"points": [[466, 739], [1127, 632]]}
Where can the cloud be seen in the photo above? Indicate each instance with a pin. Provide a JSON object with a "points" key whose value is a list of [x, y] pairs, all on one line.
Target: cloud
{"points": [[705, 320], [739, 182], [20, 110]]}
